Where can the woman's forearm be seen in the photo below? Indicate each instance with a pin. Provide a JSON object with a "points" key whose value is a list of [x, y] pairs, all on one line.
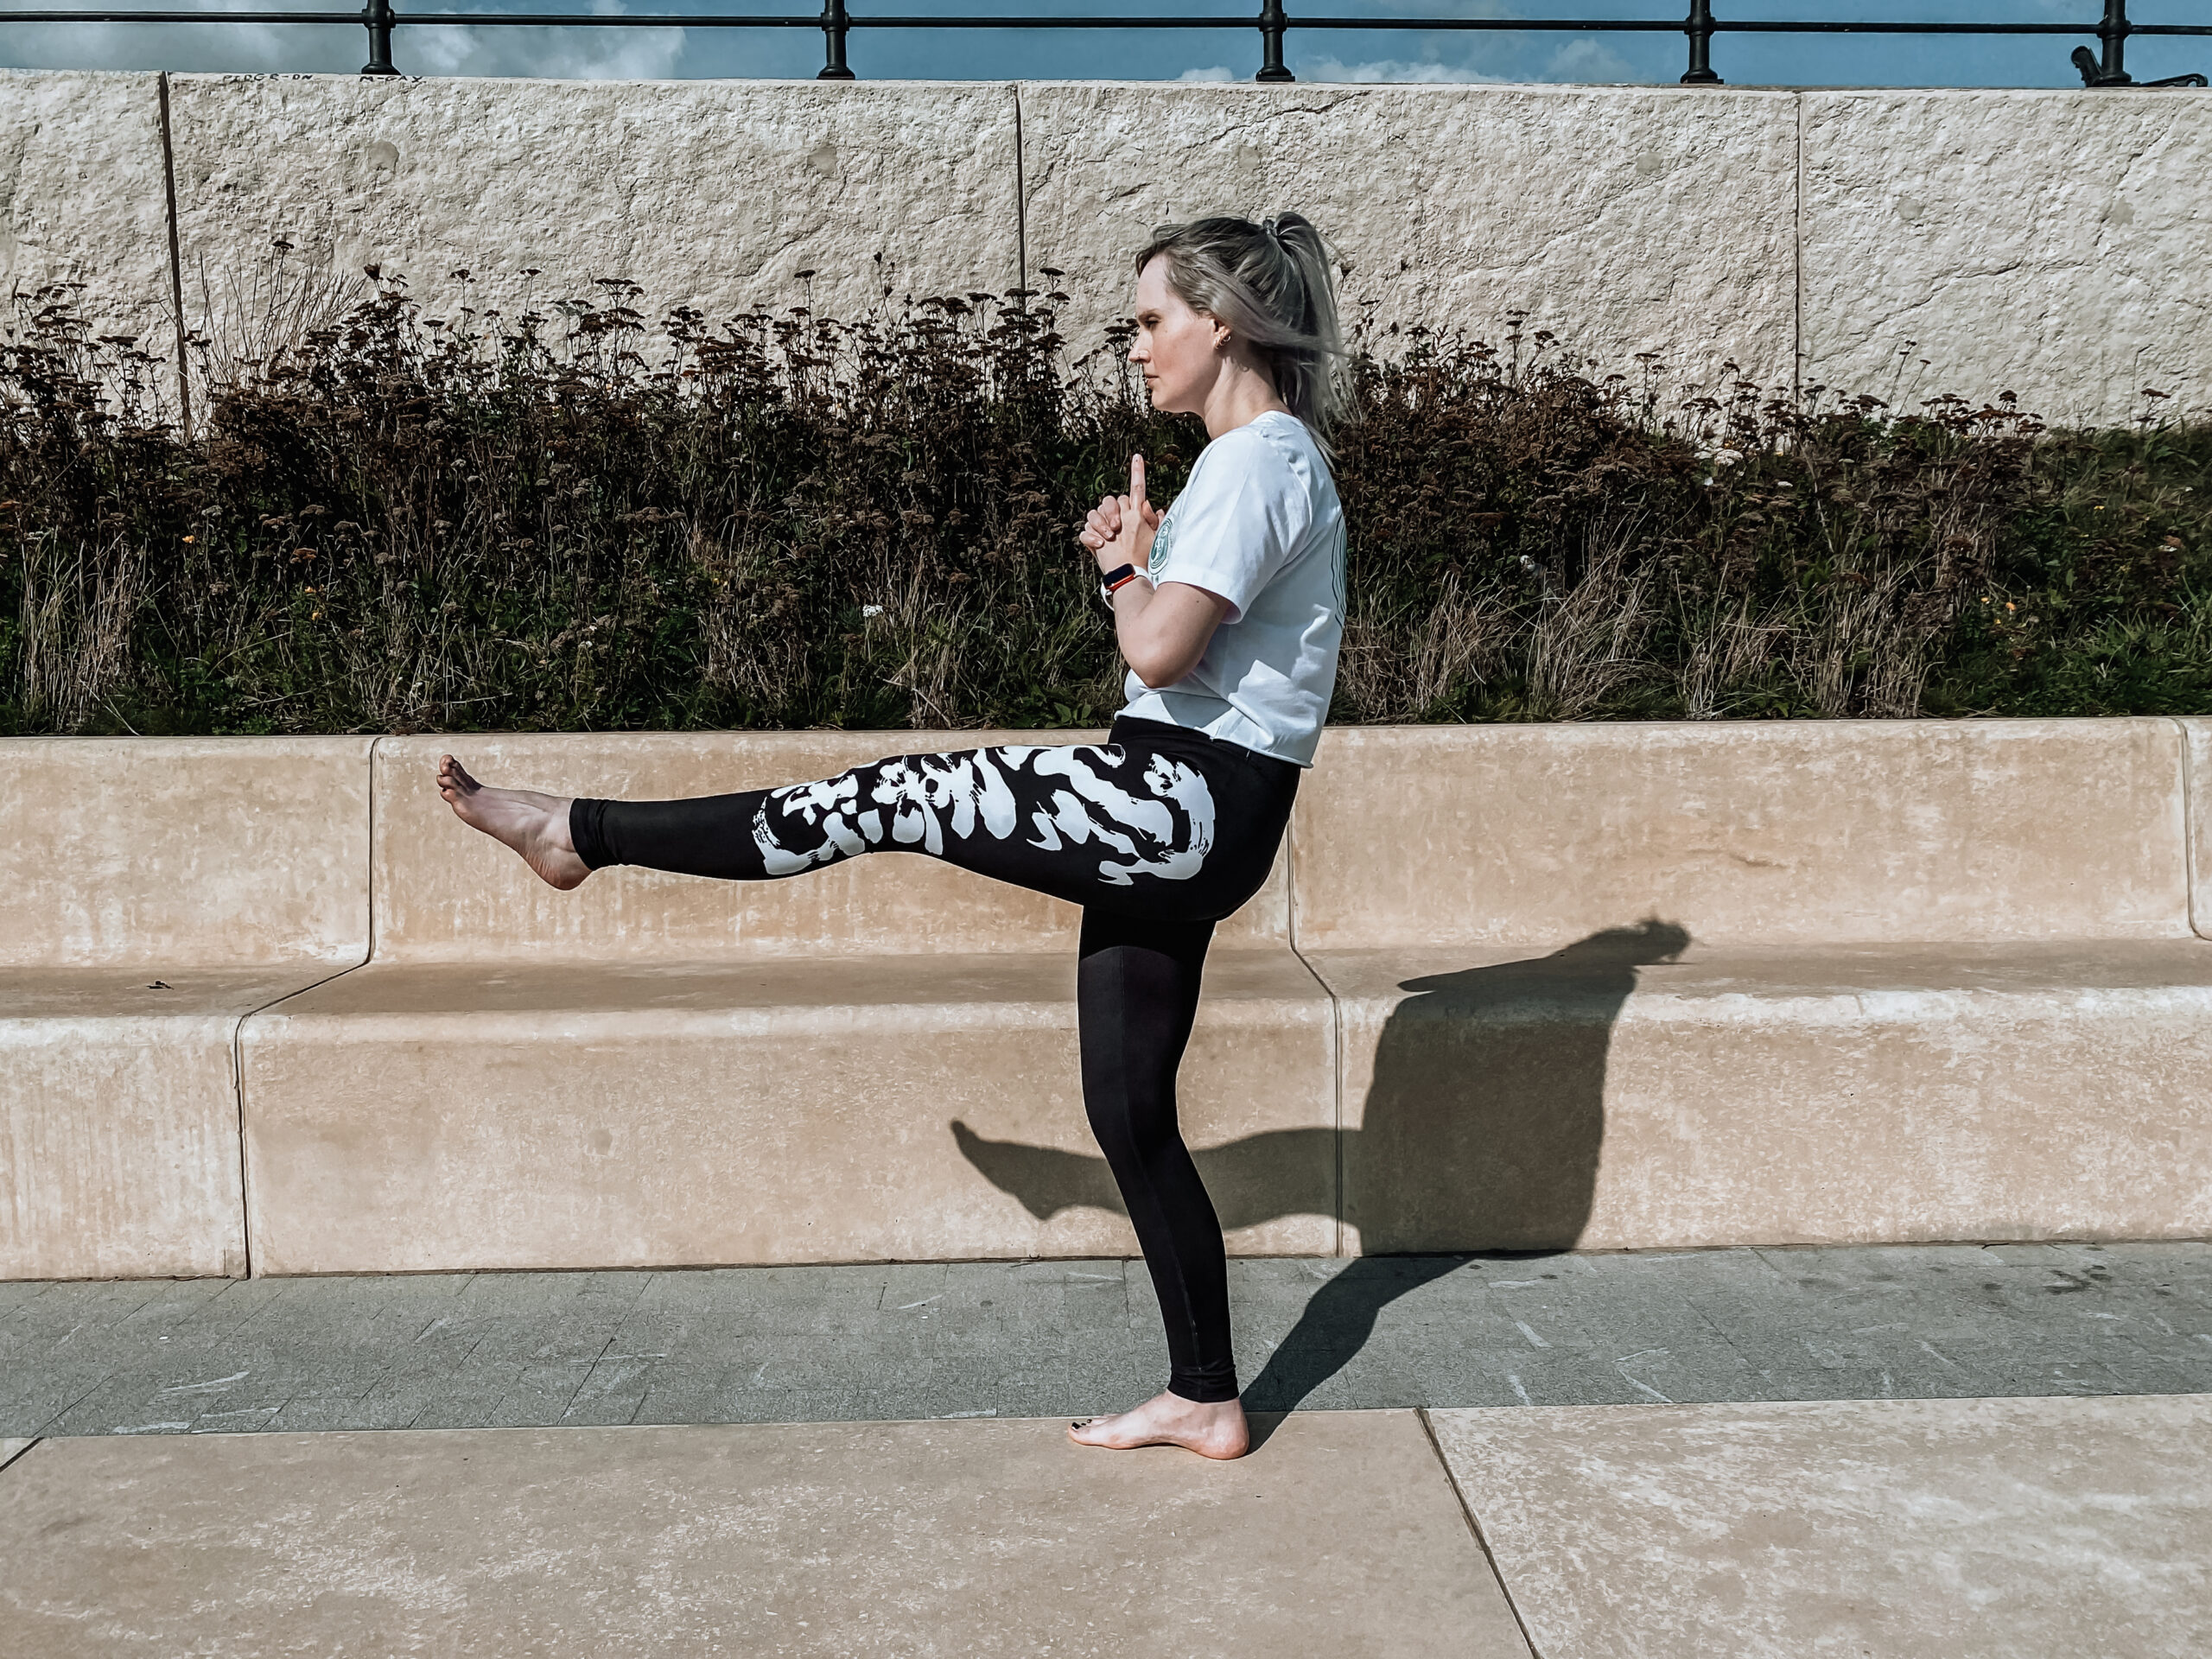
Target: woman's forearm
{"points": [[1163, 631]]}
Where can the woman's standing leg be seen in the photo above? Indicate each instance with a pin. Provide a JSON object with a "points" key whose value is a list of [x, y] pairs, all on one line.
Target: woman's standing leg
{"points": [[1137, 994]]}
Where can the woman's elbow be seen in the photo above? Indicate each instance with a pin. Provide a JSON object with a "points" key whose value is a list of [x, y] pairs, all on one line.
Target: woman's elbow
{"points": [[1157, 671]]}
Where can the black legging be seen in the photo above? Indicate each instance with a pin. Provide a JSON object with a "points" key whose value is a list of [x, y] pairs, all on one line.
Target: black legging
{"points": [[1158, 833]]}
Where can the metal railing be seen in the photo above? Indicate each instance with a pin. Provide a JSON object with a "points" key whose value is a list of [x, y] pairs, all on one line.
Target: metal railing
{"points": [[2107, 67]]}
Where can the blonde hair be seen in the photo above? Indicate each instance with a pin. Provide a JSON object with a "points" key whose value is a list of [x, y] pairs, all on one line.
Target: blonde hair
{"points": [[1272, 284]]}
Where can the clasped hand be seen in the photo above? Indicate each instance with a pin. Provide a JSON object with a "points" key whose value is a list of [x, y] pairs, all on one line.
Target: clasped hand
{"points": [[1120, 529]]}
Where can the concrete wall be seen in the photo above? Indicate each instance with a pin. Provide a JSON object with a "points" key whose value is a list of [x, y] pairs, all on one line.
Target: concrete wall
{"points": [[2050, 243]]}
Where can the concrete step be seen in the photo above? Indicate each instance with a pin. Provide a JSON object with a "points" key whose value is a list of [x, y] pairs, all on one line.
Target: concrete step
{"points": [[1614, 1095], [153, 892], [440, 1115]]}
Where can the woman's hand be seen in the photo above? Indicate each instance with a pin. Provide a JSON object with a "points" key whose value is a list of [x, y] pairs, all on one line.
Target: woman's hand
{"points": [[1163, 634], [1121, 528]]}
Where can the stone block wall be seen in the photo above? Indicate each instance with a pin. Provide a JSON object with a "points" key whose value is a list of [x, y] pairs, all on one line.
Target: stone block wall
{"points": [[2048, 243]]}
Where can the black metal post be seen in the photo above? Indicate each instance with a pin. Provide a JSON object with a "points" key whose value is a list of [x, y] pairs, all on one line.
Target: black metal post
{"points": [[377, 15], [2113, 33], [1272, 23], [1699, 26], [834, 24]]}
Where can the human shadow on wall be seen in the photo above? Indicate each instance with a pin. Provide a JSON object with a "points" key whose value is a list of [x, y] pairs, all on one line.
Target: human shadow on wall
{"points": [[1484, 1119]]}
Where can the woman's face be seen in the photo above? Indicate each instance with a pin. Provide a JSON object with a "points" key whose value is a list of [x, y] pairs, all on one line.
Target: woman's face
{"points": [[1174, 345]]}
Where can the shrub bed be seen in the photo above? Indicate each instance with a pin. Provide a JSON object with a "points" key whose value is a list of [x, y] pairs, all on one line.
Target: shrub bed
{"points": [[585, 520]]}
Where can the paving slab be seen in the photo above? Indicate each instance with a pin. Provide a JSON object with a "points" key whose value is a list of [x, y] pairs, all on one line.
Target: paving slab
{"points": [[10, 1450], [1061, 1338], [1341, 1536], [1868, 1529]]}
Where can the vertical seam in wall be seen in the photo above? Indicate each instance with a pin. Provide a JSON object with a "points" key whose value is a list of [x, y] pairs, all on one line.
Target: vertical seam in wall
{"points": [[176, 263], [1021, 204], [1337, 1080], [1475, 1527], [237, 1032], [238, 1070], [2190, 874], [1798, 263], [369, 877], [1335, 1036]]}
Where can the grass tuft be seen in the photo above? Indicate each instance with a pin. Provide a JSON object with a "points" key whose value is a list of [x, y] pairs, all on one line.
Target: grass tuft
{"points": [[583, 519]]}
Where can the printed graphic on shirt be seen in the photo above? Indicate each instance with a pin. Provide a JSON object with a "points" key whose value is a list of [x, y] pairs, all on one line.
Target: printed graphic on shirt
{"points": [[1155, 820], [1162, 539]]}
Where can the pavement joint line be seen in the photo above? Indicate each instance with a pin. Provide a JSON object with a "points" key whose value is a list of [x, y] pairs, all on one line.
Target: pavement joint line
{"points": [[1475, 1530], [20, 1451]]}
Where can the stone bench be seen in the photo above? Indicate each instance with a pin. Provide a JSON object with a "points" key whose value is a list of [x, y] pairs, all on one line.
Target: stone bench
{"points": [[1670, 985], [657, 1070], [154, 894], [1611, 986]]}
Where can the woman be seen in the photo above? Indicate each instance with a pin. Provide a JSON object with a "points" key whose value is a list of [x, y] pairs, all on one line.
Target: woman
{"points": [[1228, 611]]}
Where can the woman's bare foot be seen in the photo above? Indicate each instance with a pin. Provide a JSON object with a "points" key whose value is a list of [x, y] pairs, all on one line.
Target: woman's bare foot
{"points": [[1211, 1431], [535, 825]]}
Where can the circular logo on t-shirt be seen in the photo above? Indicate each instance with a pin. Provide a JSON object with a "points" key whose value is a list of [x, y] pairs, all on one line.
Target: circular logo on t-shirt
{"points": [[1162, 539]]}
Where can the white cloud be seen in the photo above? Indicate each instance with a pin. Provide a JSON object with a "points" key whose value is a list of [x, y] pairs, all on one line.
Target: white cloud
{"points": [[1581, 60], [1390, 69], [264, 47], [1215, 74], [547, 53], [1588, 60], [558, 53]]}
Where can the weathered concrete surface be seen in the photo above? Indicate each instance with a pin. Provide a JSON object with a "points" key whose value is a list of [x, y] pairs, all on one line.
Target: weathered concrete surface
{"points": [[1663, 985], [1609, 1097], [119, 1119], [710, 194], [1624, 221], [1765, 833], [153, 892], [81, 198], [1342, 1539], [2051, 243], [10, 1450], [2035, 241], [1893, 1530], [799, 1109], [1059, 1338], [165, 852], [2199, 736]]}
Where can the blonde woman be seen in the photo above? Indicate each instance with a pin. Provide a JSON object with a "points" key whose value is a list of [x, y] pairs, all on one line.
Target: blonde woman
{"points": [[1228, 611]]}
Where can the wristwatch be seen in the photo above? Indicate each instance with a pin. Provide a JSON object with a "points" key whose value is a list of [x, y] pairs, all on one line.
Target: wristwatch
{"points": [[1120, 576]]}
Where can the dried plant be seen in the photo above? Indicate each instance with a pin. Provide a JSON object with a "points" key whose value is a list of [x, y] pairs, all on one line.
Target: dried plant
{"points": [[583, 517]]}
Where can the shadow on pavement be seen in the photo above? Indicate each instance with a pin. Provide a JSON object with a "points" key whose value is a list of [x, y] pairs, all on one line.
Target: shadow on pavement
{"points": [[1481, 1130]]}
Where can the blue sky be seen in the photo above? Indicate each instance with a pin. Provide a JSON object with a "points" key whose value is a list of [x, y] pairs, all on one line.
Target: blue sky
{"points": [[1230, 55]]}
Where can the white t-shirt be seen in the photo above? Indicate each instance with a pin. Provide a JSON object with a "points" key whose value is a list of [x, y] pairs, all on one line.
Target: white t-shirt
{"points": [[1259, 524]]}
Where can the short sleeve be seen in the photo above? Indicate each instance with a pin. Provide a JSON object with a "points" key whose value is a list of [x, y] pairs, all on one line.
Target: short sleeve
{"points": [[1236, 523]]}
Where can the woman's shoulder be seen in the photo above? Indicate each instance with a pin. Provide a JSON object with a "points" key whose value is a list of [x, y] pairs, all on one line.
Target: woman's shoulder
{"points": [[1275, 441]]}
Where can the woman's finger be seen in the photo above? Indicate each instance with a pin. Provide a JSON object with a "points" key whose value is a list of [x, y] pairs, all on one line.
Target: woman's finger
{"points": [[1137, 478]]}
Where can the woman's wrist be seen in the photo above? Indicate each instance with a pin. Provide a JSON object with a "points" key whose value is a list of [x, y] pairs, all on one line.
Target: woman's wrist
{"points": [[1111, 581]]}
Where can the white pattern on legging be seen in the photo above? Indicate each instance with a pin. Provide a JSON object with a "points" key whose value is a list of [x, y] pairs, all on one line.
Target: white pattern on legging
{"points": [[1166, 832]]}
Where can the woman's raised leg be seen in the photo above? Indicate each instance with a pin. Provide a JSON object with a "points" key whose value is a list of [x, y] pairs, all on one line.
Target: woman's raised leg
{"points": [[1082, 822]]}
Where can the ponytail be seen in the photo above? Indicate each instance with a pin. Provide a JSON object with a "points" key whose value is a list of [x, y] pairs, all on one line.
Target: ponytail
{"points": [[1272, 284]]}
